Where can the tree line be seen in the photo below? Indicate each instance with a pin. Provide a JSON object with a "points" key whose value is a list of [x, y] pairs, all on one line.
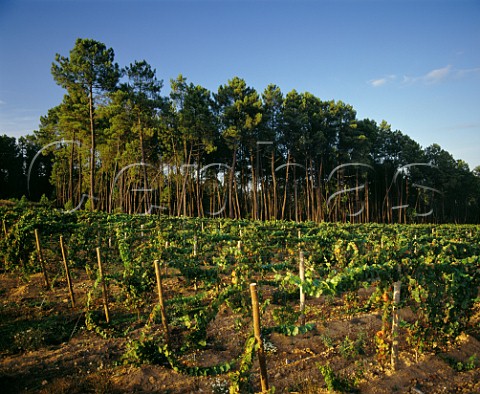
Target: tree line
{"points": [[116, 143]]}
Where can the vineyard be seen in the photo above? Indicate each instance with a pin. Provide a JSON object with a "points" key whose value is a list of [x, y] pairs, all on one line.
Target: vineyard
{"points": [[93, 302]]}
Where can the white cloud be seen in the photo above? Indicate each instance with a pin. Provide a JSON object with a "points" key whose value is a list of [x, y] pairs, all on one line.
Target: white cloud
{"points": [[441, 74], [437, 75], [432, 77], [378, 82], [465, 72], [381, 81], [2, 102]]}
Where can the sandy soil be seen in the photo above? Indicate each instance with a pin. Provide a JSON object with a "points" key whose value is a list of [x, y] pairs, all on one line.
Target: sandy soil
{"points": [[45, 348]]}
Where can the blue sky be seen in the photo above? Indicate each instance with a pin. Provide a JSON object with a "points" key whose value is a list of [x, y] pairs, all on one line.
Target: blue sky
{"points": [[415, 64]]}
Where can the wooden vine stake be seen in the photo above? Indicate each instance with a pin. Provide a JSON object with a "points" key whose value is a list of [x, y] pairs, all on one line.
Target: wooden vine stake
{"points": [[165, 270], [40, 257], [104, 286], [258, 337], [5, 235], [160, 302], [396, 301], [67, 272], [301, 270]]}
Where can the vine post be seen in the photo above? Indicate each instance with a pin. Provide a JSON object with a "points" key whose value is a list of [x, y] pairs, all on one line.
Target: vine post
{"points": [[104, 286], [40, 257], [396, 301], [67, 272], [301, 270], [258, 337], [4, 235], [161, 303], [165, 270], [195, 246]]}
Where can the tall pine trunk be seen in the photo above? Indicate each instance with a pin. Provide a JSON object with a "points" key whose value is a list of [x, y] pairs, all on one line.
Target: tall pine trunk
{"points": [[146, 186], [92, 152], [231, 202]]}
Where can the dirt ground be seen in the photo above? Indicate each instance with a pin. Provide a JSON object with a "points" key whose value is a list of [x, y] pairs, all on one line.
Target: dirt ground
{"points": [[45, 348]]}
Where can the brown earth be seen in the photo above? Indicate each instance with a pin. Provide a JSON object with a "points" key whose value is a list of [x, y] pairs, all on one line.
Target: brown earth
{"points": [[45, 348]]}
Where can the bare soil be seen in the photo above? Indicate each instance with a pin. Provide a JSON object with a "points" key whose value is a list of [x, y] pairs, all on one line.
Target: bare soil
{"points": [[45, 348]]}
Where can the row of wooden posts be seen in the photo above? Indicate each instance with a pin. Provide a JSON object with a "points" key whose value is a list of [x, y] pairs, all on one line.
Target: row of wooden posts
{"points": [[67, 272], [254, 297], [163, 314]]}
